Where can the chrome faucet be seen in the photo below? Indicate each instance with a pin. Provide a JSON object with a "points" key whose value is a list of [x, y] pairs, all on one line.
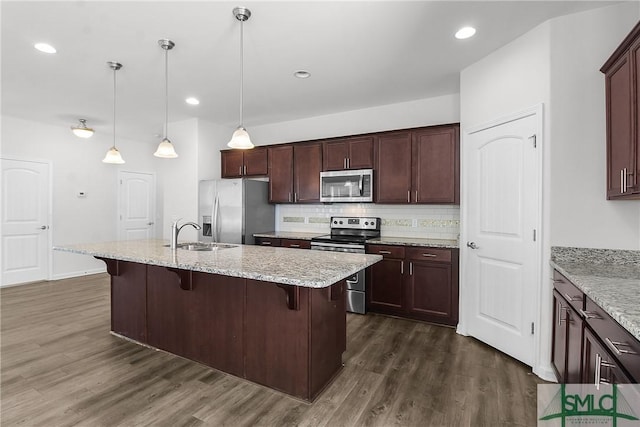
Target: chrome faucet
{"points": [[175, 230]]}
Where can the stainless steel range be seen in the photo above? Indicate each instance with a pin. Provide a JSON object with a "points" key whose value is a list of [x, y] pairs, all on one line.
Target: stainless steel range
{"points": [[349, 234]]}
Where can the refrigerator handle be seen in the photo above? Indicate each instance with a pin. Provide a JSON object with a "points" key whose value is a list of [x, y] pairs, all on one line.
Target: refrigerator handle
{"points": [[214, 219]]}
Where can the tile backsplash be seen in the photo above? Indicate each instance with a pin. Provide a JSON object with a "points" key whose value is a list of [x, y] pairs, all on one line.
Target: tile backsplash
{"points": [[421, 221]]}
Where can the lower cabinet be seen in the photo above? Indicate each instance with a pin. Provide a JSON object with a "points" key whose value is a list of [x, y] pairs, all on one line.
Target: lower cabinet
{"points": [[285, 243], [588, 346], [268, 241], [414, 282]]}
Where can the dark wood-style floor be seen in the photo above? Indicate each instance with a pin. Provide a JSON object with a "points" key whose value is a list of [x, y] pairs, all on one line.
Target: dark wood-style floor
{"points": [[61, 367]]}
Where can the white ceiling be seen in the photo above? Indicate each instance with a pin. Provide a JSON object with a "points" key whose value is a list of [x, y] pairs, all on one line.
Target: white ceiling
{"points": [[359, 54]]}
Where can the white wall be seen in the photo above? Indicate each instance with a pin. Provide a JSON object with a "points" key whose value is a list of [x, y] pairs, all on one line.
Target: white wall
{"points": [[423, 112], [512, 79], [76, 166], [580, 214]]}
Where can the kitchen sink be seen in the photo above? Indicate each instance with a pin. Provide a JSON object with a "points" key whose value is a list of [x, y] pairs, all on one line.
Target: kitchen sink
{"points": [[203, 246]]}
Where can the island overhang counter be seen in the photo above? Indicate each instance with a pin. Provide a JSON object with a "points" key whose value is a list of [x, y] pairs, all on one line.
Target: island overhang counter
{"points": [[274, 316]]}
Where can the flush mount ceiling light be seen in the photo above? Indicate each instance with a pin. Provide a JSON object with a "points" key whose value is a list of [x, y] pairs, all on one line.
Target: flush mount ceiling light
{"points": [[45, 47], [192, 101], [240, 138], [302, 74], [165, 148], [465, 33], [113, 155], [82, 131]]}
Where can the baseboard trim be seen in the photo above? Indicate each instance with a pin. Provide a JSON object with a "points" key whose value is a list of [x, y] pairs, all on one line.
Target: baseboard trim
{"points": [[71, 274]]}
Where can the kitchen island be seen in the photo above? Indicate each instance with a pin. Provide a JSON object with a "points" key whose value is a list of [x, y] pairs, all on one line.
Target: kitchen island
{"points": [[274, 316]]}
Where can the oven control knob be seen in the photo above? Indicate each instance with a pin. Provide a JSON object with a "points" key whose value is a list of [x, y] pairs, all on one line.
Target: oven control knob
{"points": [[341, 222], [366, 223], [335, 222]]}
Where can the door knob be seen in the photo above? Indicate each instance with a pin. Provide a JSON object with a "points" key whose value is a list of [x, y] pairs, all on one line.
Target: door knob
{"points": [[472, 245], [150, 223], [44, 227]]}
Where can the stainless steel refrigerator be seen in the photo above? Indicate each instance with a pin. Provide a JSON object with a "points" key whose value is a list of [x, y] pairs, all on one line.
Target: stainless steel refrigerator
{"points": [[232, 210]]}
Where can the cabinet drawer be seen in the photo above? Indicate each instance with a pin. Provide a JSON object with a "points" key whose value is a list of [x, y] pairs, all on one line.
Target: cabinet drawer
{"points": [[386, 251], [429, 254], [569, 291], [267, 241], [296, 243], [622, 345]]}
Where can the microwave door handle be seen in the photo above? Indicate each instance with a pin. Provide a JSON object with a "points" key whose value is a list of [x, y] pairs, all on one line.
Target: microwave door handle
{"points": [[360, 183]]}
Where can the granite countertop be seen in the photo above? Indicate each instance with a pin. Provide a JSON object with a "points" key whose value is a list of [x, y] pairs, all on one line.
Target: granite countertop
{"points": [[298, 235], [385, 240], [312, 269], [610, 278]]}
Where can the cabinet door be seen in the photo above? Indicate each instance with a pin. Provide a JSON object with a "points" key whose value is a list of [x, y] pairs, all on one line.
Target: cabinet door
{"points": [[574, 346], [307, 164], [384, 287], [334, 155], [634, 181], [267, 241], [619, 126], [392, 180], [296, 243], [232, 162], [255, 162], [280, 161], [559, 345], [599, 365], [436, 165], [430, 292], [360, 153]]}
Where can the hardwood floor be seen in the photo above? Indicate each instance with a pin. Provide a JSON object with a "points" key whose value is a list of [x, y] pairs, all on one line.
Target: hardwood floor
{"points": [[61, 367]]}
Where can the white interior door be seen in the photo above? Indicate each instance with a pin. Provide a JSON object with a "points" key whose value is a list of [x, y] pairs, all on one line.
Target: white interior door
{"points": [[25, 221], [502, 263], [137, 196]]}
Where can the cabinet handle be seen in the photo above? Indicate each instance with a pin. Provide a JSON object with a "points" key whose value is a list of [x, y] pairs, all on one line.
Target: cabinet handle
{"points": [[295, 197], [410, 269], [408, 196], [401, 267], [416, 196], [265, 243], [598, 370], [244, 169], [430, 255], [344, 163], [240, 170], [289, 198], [384, 252], [572, 299], [619, 351], [559, 314], [294, 246], [348, 163], [589, 314]]}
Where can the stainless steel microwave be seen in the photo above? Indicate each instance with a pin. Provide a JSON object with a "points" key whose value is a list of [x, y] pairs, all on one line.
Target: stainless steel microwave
{"points": [[353, 186]]}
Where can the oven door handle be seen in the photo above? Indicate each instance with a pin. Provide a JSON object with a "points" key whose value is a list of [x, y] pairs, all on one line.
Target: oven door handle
{"points": [[321, 246]]}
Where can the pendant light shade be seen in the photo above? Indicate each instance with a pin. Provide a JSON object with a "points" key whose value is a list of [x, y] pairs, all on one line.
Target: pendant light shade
{"points": [[240, 138], [113, 155], [165, 148], [81, 130]]}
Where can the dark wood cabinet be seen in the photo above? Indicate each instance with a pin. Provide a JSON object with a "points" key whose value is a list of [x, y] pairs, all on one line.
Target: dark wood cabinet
{"points": [[239, 163], [348, 153], [415, 282], [294, 173], [307, 164], [566, 353], [600, 366], [418, 166], [623, 118], [268, 241], [280, 160], [296, 243], [385, 280]]}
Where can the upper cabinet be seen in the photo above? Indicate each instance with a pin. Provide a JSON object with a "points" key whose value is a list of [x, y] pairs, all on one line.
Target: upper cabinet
{"points": [[294, 173], [623, 118], [418, 166], [348, 153], [239, 163]]}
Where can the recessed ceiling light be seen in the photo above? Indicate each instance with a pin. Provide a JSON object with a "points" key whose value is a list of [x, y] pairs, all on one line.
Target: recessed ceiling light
{"points": [[302, 74], [44, 47], [192, 101], [465, 33]]}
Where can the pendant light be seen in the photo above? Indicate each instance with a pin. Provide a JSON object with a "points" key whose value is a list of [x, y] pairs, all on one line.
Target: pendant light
{"points": [[165, 148], [82, 130], [240, 138], [113, 155]]}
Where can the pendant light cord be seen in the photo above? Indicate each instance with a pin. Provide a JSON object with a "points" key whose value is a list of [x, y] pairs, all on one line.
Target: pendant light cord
{"points": [[241, 70], [114, 107], [166, 94]]}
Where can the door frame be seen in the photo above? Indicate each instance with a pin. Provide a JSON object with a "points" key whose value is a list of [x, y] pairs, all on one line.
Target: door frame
{"points": [[121, 202], [541, 360], [49, 231]]}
